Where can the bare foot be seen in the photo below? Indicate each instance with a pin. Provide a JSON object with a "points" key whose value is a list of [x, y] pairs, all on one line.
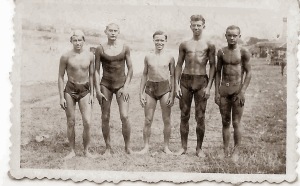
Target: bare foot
{"points": [[200, 153], [226, 153], [129, 151], [167, 150], [89, 155], [180, 152], [235, 154], [143, 151], [107, 153], [70, 156]]}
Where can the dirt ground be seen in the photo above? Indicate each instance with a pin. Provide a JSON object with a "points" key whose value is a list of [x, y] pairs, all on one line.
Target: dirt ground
{"points": [[263, 142]]}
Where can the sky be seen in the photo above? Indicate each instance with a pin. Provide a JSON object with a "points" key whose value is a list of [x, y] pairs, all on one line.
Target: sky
{"points": [[262, 19]]}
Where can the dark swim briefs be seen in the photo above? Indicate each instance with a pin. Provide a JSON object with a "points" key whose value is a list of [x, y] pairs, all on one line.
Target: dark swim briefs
{"points": [[157, 90], [193, 83], [77, 91], [229, 91], [113, 85]]}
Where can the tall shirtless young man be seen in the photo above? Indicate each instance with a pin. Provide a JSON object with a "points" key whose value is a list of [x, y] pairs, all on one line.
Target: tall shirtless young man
{"points": [[113, 56], [233, 63], [158, 84], [193, 81], [79, 65]]}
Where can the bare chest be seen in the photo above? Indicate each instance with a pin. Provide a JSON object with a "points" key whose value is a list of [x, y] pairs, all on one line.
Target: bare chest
{"points": [[232, 57], [158, 62], [197, 49], [79, 62]]}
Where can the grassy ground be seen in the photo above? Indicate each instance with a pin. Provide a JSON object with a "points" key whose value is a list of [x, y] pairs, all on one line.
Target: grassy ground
{"points": [[264, 126], [264, 132]]}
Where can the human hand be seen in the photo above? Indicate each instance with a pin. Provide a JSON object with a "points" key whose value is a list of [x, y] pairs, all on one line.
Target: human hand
{"points": [[91, 99], [63, 103], [178, 92], [100, 97], [143, 100], [124, 91], [240, 97], [218, 99], [170, 100], [206, 93]]}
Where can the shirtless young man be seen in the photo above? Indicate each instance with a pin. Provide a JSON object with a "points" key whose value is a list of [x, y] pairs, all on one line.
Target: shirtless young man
{"points": [[79, 65], [157, 84], [113, 56], [233, 63], [193, 81]]}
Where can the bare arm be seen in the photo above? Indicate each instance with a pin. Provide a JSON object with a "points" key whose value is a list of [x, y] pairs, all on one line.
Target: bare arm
{"points": [[246, 69], [144, 76], [212, 64], [91, 73], [61, 73], [97, 69], [129, 66], [172, 79], [178, 69], [218, 71]]}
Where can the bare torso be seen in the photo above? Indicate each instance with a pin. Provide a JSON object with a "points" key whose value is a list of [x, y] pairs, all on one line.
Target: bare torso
{"points": [[158, 67], [78, 66], [232, 64], [196, 57]]}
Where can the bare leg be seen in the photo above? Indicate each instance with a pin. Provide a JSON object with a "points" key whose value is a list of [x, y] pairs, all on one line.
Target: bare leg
{"points": [[123, 109], [149, 113], [70, 112], [166, 113], [200, 107], [86, 113], [105, 107], [237, 112], [185, 107], [225, 110]]}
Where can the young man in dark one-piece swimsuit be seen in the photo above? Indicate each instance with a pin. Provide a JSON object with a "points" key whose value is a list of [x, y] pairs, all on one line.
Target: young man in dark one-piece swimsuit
{"points": [[113, 56]]}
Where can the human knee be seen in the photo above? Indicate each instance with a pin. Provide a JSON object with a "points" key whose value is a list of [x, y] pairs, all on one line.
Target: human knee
{"points": [[200, 118], [236, 124], [148, 121], [105, 117], [226, 121], [166, 120], [124, 118], [185, 116], [71, 122]]}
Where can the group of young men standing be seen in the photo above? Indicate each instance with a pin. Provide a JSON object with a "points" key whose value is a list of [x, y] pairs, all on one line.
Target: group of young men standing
{"points": [[161, 81]]}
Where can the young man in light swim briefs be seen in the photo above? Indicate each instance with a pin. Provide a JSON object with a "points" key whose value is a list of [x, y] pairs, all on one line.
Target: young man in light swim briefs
{"points": [[113, 56], [233, 63], [79, 65], [157, 84], [194, 82]]}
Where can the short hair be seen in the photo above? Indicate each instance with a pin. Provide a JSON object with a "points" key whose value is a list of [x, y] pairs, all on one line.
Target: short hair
{"points": [[197, 18], [77, 33], [233, 27], [159, 32], [111, 24]]}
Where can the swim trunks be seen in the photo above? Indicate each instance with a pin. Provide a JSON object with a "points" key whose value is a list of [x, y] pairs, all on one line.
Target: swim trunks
{"points": [[193, 83], [157, 90], [229, 91], [77, 91]]}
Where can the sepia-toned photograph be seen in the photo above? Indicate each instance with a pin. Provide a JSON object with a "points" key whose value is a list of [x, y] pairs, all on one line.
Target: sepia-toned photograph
{"points": [[155, 90]]}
